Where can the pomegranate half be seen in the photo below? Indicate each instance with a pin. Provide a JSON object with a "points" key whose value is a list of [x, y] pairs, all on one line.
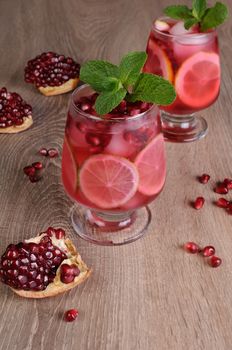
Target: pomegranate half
{"points": [[52, 74], [43, 266]]}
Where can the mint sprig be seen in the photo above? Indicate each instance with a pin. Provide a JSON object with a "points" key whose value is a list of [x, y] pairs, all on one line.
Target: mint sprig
{"points": [[206, 18], [115, 83]]}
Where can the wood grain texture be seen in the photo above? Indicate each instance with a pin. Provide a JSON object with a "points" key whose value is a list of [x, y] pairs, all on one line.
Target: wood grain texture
{"points": [[149, 295]]}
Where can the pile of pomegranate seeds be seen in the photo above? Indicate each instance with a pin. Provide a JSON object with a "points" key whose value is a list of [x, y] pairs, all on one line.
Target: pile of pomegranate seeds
{"points": [[206, 252], [34, 171], [31, 266], [51, 152], [125, 108], [51, 69], [12, 109], [71, 315]]}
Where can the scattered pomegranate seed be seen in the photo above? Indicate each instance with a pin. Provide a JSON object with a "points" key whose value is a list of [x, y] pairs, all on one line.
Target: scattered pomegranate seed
{"points": [[37, 165], [29, 170], [199, 202], [43, 152], [191, 247], [229, 208], [222, 203], [71, 315], [204, 178], [221, 189], [228, 183], [215, 261], [52, 152], [207, 251]]}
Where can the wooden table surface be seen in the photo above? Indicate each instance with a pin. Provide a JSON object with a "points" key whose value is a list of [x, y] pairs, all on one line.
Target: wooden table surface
{"points": [[147, 295]]}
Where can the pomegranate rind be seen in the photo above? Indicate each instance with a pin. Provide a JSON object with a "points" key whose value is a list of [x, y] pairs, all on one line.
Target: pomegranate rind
{"points": [[156, 52], [197, 87], [69, 85], [151, 166], [57, 287], [27, 123], [108, 181]]}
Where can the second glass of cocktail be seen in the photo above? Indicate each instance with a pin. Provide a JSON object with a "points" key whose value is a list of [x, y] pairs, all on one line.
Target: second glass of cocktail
{"points": [[189, 59]]}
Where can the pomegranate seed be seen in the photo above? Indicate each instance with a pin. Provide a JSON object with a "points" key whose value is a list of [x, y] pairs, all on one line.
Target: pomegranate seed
{"points": [[222, 203], [34, 178], [191, 247], [221, 189], [37, 165], [50, 231], [43, 152], [67, 278], [207, 251], [71, 315], [228, 183], [199, 202], [204, 178], [52, 152], [229, 208], [29, 170], [215, 261], [60, 233]]}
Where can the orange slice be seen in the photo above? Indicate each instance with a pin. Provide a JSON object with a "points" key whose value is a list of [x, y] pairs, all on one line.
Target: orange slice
{"points": [[197, 81], [151, 166], [108, 181], [158, 61]]}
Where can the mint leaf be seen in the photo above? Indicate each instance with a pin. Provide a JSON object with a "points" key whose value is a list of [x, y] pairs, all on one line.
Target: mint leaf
{"points": [[152, 88], [178, 12], [190, 22], [130, 67], [101, 75], [199, 8], [215, 16], [107, 101]]}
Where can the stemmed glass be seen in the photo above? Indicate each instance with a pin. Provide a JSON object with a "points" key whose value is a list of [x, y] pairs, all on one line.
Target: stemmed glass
{"points": [[189, 60], [112, 167]]}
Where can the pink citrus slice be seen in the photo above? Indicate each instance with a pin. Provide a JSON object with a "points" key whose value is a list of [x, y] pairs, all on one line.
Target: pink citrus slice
{"points": [[108, 181], [69, 169], [197, 81], [151, 166], [158, 61]]}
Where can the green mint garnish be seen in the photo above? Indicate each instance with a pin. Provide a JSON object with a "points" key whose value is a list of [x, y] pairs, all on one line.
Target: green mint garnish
{"points": [[115, 83], [206, 18]]}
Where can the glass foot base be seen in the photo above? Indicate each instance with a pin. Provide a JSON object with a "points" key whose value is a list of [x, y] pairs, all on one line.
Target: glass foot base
{"points": [[183, 128], [110, 228]]}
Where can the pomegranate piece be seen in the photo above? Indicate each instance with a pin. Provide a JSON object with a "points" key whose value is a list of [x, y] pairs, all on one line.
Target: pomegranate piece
{"points": [[37, 165], [51, 69], [13, 110], [191, 247], [207, 251], [221, 189], [204, 178], [215, 261], [53, 152], [71, 315], [222, 203], [68, 273], [199, 202], [31, 266]]}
